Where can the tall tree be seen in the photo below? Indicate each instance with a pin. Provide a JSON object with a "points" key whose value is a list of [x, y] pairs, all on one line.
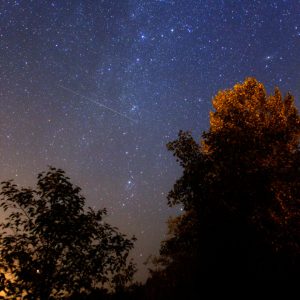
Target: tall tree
{"points": [[239, 189], [51, 247]]}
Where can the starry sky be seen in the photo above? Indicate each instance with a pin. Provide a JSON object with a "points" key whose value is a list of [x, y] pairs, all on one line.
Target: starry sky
{"points": [[98, 88]]}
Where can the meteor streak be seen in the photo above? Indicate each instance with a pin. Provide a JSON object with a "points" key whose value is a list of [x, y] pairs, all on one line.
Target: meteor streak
{"points": [[97, 103]]}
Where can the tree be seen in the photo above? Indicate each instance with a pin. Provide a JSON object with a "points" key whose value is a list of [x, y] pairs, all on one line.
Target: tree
{"points": [[174, 273], [240, 190], [51, 247]]}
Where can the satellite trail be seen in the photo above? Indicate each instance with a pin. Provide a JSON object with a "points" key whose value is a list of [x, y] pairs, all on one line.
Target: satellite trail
{"points": [[97, 103]]}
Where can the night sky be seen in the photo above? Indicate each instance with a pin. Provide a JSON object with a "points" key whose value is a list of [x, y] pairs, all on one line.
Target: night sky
{"points": [[98, 88]]}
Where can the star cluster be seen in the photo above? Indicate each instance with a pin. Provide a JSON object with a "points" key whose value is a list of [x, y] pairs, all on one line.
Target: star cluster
{"points": [[98, 88]]}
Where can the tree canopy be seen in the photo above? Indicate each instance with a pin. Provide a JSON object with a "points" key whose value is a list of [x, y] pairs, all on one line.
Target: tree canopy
{"points": [[52, 248], [239, 190]]}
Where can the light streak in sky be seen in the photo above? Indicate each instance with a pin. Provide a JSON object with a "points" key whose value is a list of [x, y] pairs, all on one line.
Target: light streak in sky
{"points": [[97, 103]]}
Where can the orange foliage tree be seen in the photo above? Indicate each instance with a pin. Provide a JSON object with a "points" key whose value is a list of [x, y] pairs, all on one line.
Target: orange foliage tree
{"points": [[239, 189]]}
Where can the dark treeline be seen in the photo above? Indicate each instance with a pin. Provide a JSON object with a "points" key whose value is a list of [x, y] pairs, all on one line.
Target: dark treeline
{"points": [[240, 193]]}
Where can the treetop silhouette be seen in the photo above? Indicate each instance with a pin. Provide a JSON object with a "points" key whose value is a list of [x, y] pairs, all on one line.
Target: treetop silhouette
{"points": [[51, 247]]}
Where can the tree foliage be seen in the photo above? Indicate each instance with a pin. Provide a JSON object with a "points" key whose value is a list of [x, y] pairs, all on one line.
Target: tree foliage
{"points": [[52, 248], [239, 190]]}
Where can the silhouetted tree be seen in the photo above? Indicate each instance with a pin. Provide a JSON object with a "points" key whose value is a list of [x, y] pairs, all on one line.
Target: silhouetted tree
{"points": [[240, 191], [52, 248]]}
